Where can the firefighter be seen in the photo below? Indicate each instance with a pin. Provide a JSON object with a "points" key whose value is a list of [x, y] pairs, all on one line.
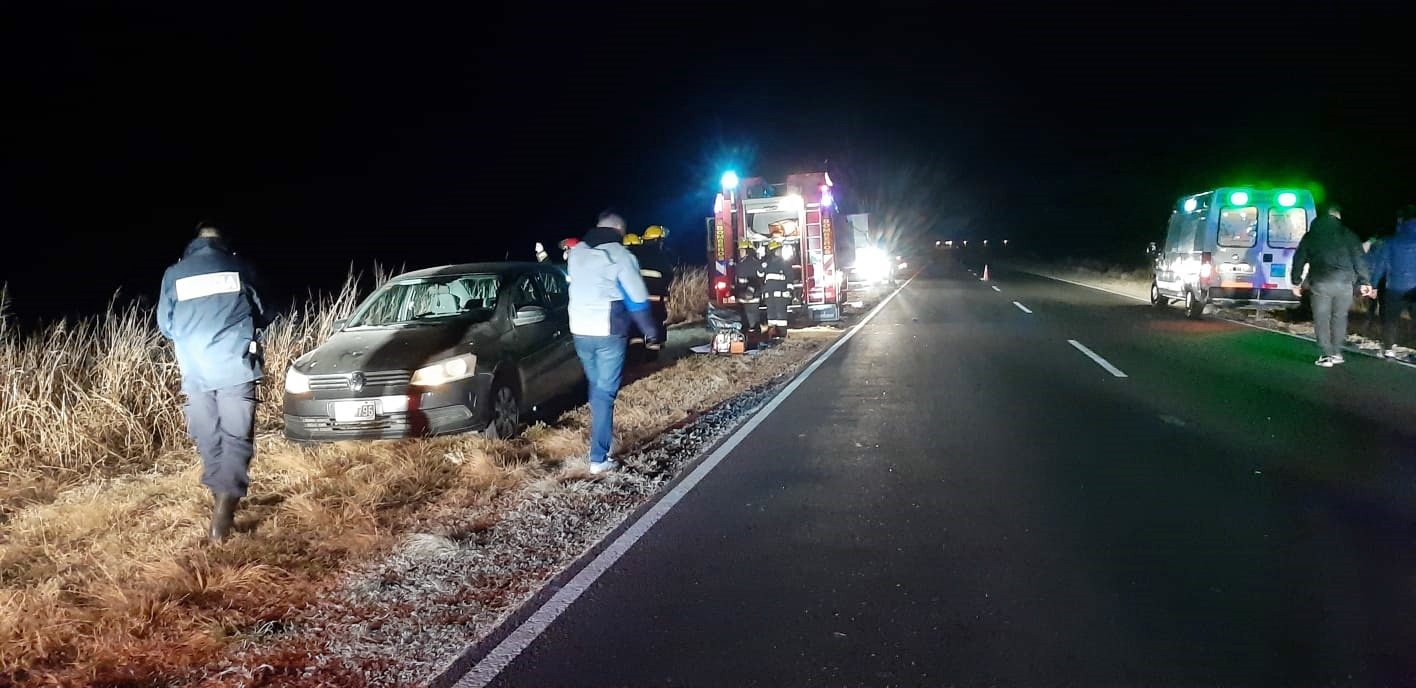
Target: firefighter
{"points": [[541, 255], [776, 288], [657, 269], [565, 246], [749, 287]]}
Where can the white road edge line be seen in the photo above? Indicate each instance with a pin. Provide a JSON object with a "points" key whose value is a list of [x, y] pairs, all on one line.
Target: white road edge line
{"points": [[1022, 308], [1099, 360], [995, 288], [1236, 322], [511, 646]]}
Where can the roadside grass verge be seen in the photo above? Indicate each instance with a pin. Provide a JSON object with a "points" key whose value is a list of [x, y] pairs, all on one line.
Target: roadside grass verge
{"points": [[688, 295], [104, 576]]}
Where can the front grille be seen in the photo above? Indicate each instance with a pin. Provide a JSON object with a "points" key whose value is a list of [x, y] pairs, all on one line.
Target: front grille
{"points": [[398, 421], [382, 379]]}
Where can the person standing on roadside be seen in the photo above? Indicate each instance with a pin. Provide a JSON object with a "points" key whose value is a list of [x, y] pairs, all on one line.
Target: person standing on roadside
{"points": [[1394, 261], [607, 294], [209, 309], [1332, 253]]}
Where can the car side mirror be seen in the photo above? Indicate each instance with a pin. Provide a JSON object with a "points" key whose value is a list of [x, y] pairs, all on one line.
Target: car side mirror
{"points": [[528, 315], [339, 324], [1150, 249]]}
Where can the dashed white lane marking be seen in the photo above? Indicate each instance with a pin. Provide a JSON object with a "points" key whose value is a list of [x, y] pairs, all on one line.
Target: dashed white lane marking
{"points": [[995, 288], [1099, 360], [1022, 308]]}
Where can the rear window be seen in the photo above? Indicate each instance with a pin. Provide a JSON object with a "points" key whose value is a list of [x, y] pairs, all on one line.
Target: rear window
{"points": [[1238, 227], [1286, 226]]}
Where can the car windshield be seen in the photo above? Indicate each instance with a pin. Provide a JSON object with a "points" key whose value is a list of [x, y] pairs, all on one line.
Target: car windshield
{"points": [[430, 300]]}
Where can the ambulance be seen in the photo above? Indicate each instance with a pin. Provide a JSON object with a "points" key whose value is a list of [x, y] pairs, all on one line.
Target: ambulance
{"points": [[1231, 247]]}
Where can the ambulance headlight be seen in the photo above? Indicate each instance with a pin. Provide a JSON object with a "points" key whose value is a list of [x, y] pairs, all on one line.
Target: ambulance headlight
{"points": [[443, 372], [296, 382]]}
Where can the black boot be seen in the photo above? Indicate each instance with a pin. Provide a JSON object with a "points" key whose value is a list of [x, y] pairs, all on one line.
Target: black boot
{"points": [[223, 516]]}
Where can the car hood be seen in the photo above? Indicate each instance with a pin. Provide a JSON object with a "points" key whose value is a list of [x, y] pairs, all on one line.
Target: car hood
{"points": [[396, 348]]}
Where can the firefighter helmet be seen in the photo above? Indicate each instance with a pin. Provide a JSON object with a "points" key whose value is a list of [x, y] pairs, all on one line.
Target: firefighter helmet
{"points": [[655, 232], [745, 243], [632, 240], [774, 245]]}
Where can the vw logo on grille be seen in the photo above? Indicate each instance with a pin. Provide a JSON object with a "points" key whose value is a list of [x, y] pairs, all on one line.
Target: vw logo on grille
{"points": [[356, 382]]}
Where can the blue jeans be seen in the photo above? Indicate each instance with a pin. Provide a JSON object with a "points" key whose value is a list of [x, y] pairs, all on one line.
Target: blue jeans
{"points": [[603, 359]]}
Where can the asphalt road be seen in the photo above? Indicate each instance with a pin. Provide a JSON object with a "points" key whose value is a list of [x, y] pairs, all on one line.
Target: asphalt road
{"points": [[961, 496]]}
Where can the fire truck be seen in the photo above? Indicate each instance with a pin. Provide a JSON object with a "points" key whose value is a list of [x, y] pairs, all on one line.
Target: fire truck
{"points": [[801, 214]]}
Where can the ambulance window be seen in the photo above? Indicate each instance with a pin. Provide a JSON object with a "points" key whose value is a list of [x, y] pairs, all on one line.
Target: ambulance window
{"points": [[1238, 227], [1286, 226]]}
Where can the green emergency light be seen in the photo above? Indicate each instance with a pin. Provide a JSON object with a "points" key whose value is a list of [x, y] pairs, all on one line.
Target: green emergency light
{"points": [[1239, 198], [1288, 199]]}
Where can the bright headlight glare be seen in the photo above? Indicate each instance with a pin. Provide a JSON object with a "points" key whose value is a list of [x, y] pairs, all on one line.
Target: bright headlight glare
{"points": [[296, 382], [445, 371]]}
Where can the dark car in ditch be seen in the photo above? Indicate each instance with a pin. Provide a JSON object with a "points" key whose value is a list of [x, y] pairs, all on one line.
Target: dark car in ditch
{"points": [[458, 348]]}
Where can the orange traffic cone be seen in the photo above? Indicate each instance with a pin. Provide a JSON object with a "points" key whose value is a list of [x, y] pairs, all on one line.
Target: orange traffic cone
{"points": [[985, 273]]}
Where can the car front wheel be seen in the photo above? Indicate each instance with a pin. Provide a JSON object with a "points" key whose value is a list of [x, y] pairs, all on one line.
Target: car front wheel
{"points": [[506, 412], [1157, 299]]}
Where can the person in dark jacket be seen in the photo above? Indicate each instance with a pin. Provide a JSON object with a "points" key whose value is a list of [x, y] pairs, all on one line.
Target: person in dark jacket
{"points": [[1394, 260], [210, 310], [776, 288], [749, 288], [656, 267], [1333, 255]]}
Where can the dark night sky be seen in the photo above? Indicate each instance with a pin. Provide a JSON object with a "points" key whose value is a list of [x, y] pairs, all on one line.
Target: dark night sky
{"points": [[325, 137]]}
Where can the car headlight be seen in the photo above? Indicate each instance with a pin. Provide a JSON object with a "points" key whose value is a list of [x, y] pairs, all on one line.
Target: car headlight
{"points": [[445, 371], [296, 382]]}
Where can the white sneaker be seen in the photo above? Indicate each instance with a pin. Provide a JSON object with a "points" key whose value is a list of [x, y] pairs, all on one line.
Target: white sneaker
{"points": [[598, 467], [1325, 361], [1338, 359]]}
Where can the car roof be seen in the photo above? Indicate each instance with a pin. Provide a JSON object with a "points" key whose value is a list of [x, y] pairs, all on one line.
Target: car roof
{"points": [[499, 267]]}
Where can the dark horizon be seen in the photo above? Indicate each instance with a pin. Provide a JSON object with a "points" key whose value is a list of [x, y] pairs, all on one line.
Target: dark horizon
{"points": [[322, 139]]}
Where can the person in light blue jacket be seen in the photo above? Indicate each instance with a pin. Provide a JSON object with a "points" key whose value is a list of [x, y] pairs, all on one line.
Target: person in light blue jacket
{"points": [[607, 297], [210, 310]]}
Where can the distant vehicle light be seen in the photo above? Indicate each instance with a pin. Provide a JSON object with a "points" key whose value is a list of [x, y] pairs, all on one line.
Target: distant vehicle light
{"points": [[1191, 204], [1239, 198], [1288, 199], [730, 180]]}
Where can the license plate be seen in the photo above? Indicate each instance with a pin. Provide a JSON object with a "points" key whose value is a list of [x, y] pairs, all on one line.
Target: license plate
{"points": [[1238, 268], [355, 411], [1278, 270]]}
